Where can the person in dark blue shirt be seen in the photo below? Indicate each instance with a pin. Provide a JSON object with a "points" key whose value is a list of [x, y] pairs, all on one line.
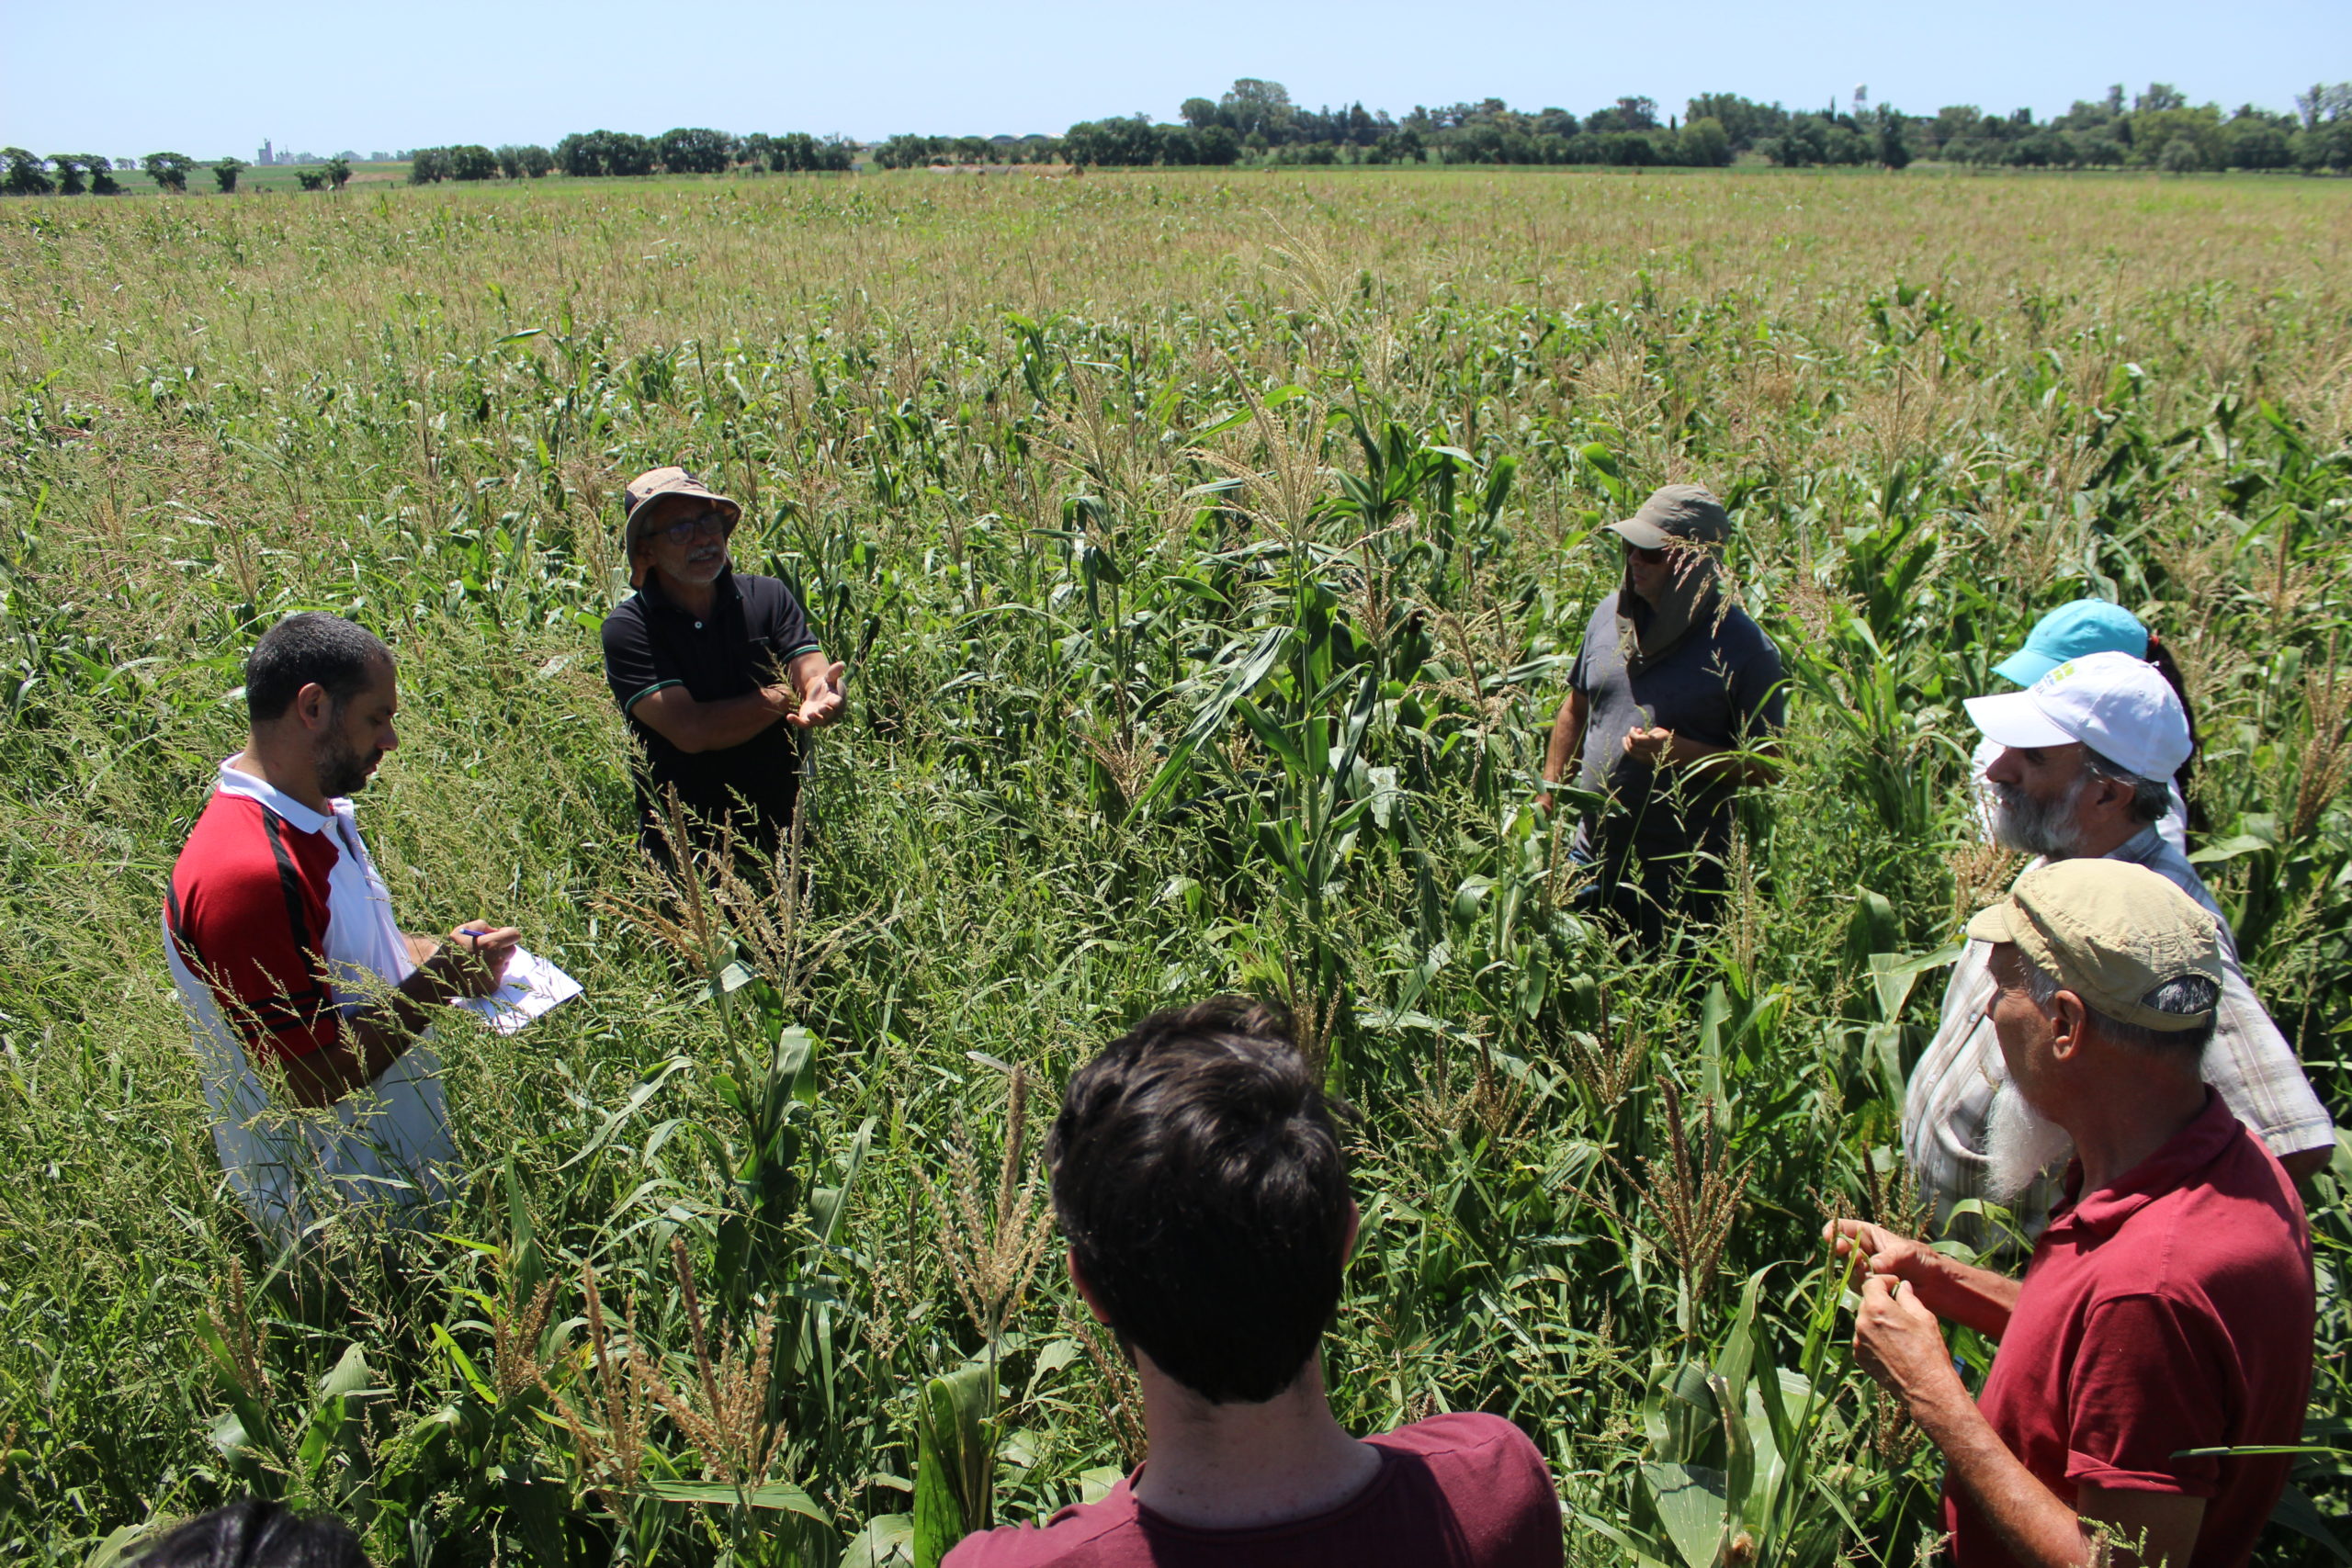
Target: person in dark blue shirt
{"points": [[717, 671], [1673, 702]]}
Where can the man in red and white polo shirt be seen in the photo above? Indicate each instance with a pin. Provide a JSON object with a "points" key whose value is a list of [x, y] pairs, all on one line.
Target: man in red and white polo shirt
{"points": [[281, 940]]}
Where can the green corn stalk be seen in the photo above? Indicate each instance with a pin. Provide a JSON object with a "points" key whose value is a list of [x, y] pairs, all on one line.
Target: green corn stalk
{"points": [[1731, 1478], [956, 1437]]}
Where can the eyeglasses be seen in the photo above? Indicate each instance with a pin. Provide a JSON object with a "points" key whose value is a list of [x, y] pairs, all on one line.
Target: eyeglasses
{"points": [[705, 525], [1647, 558]]}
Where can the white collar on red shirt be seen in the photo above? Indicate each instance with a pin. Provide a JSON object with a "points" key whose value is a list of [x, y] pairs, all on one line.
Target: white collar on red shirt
{"points": [[283, 806]]}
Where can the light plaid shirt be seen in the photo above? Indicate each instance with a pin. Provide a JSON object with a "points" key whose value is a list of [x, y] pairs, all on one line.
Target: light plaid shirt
{"points": [[1950, 1095]]}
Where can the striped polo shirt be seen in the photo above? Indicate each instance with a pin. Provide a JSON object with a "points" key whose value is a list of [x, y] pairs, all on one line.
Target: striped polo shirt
{"points": [[277, 929]]}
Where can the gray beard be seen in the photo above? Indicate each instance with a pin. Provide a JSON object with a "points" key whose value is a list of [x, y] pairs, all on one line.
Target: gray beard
{"points": [[2021, 1143], [2044, 828]]}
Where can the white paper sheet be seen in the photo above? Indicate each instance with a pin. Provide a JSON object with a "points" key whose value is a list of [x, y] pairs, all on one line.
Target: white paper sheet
{"points": [[532, 987]]}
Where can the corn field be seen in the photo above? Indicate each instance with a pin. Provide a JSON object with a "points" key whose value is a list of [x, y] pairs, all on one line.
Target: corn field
{"points": [[1208, 552]]}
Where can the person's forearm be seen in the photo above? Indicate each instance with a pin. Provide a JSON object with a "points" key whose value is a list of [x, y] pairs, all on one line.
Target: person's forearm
{"points": [[1567, 733], [807, 671], [1950, 1289], [2030, 1521], [730, 721], [371, 1040]]}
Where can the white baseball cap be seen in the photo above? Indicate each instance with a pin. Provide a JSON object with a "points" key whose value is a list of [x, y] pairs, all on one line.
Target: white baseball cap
{"points": [[2118, 706]]}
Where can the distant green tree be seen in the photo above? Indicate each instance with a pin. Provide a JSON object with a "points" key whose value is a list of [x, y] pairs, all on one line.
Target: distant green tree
{"points": [[311, 179], [1130, 144], [757, 149], [472, 161], [696, 151], [1217, 145], [1707, 144], [1745, 122], [605, 153], [1256, 107], [1890, 149], [2251, 141], [1637, 113], [168, 170], [428, 165], [25, 176], [69, 174], [102, 180], [1801, 146], [2085, 115], [537, 161], [2043, 150], [510, 161], [904, 152], [577, 156], [2180, 156], [628, 153], [1201, 113], [2324, 104], [2326, 146], [224, 174], [2154, 131], [2159, 97], [2097, 150], [1631, 149], [338, 172]]}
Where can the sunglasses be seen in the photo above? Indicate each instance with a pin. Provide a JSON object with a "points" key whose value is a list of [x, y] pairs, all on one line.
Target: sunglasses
{"points": [[702, 524], [1647, 558]]}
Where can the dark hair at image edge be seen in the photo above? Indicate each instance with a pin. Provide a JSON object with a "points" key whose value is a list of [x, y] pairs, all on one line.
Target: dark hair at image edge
{"points": [[256, 1534], [1200, 1180], [310, 649]]}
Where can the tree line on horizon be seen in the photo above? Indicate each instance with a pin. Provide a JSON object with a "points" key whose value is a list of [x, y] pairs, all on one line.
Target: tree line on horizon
{"points": [[87, 173], [1255, 121]]}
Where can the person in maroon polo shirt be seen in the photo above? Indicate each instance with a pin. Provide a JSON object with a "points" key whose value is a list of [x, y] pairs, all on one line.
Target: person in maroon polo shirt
{"points": [[2168, 1307], [1200, 1182]]}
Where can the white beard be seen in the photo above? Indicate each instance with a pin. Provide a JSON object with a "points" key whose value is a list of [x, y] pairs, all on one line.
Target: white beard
{"points": [[2020, 1142]]}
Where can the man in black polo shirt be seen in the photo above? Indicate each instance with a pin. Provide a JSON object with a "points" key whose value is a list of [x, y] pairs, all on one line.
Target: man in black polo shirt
{"points": [[1673, 701], [717, 671]]}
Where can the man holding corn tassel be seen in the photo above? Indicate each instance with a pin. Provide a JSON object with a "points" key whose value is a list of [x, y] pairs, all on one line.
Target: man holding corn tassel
{"points": [[2158, 1351]]}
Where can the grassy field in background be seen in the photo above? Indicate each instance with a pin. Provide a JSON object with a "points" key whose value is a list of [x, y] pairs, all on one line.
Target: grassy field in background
{"points": [[1208, 549]]}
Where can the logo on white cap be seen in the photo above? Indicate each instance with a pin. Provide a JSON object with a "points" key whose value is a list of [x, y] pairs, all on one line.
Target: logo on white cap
{"points": [[2118, 706]]}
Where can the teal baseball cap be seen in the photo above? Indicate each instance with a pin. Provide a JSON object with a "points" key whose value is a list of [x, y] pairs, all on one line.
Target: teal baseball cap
{"points": [[2087, 626]]}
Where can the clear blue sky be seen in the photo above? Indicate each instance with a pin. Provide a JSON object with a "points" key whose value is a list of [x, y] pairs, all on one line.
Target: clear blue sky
{"points": [[139, 75]]}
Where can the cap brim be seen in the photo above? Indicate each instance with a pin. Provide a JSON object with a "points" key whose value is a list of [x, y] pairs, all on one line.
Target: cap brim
{"points": [[2013, 718], [1992, 924], [2025, 667], [1642, 536]]}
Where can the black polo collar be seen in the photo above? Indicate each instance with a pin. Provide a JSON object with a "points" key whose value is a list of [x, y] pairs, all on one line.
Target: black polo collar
{"points": [[656, 598]]}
